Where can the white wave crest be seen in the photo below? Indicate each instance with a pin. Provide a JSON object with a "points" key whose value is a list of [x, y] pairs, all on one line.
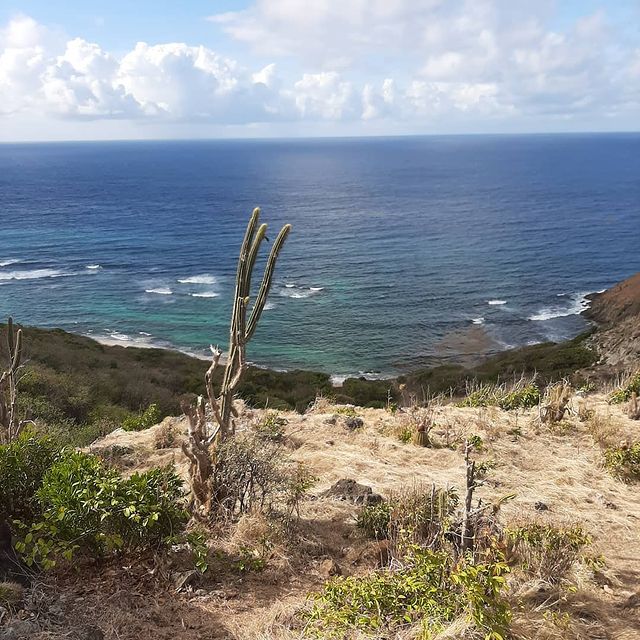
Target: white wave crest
{"points": [[316, 288], [93, 267], [269, 305], [576, 304], [8, 261], [298, 292], [496, 302], [33, 274], [123, 337], [289, 285], [163, 291], [203, 278], [205, 294], [479, 320]]}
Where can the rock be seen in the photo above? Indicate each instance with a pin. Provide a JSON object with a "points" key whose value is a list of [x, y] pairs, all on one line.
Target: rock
{"points": [[331, 419], [353, 423], [541, 506], [183, 579], [350, 491], [329, 568]]}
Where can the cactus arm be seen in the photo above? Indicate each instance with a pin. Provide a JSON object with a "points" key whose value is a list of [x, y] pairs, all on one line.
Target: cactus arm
{"points": [[267, 279]]}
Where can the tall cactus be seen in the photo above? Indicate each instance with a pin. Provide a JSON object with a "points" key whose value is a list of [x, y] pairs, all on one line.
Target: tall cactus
{"points": [[10, 425], [203, 438]]}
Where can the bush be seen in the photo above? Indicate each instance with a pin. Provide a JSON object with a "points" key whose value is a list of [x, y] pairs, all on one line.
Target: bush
{"points": [[624, 393], [546, 551], [23, 465], [430, 589], [87, 506], [624, 462], [523, 398], [148, 418], [374, 519]]}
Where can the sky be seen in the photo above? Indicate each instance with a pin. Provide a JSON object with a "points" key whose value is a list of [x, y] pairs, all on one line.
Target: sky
{"points": [[117, 69]]}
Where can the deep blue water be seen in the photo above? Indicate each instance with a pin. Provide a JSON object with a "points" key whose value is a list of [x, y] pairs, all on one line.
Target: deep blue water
{"points": [[397, 244]]}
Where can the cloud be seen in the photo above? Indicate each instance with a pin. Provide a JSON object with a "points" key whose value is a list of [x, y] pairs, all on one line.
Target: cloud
{"points": [[424, 65]]}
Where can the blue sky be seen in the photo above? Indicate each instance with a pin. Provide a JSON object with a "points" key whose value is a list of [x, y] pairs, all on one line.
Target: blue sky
{"points": [[226, 68]]}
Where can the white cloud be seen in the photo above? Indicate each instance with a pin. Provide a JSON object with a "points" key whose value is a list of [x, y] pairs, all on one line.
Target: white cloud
{"points": [[427, 64]]}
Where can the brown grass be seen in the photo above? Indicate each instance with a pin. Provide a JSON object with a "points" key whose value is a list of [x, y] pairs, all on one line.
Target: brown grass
{"points": [[562, 469]]}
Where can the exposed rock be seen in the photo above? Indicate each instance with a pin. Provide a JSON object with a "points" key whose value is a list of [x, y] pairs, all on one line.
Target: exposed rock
{"points": [[349, 490], [329, 568], [617, 312], [541, 506], [353, 423]]}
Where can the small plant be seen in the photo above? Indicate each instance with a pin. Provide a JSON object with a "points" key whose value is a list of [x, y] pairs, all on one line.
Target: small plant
{"points": [[166, 436], [405, 435], [11, 594], [623, 462], [272, 426], [250, 560], [524, 397], [374, 520], [429, 589], [546, 551], [149, 417], [625, 391], [197, 541], [347, 410], [299, 483]]}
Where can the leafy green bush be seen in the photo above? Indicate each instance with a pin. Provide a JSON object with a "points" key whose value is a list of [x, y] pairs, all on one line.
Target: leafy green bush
{"points": [[374, 519], [624, 462], [520, 396], [623, 394], [523, 398], [148, 418], [430, 589], [23, 465], [87, 506], [272, 426], [546, 551]]}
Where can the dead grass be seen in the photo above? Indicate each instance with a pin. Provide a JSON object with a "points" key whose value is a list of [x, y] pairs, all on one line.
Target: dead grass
{"points": [[561, 470]]}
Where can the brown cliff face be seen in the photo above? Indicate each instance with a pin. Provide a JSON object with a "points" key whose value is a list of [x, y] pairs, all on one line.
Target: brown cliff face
{"points": [[614, 305], [617, 312]]}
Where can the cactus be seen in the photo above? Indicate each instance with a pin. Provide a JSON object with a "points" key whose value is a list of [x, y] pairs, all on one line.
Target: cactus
{"points": [[10, 425], [205, 435]]}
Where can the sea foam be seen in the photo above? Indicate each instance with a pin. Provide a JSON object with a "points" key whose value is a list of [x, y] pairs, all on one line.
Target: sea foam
{"points": [[205, 294], [33, 274], [576, 304], [496, 302], [163, 291], [203, 278]]}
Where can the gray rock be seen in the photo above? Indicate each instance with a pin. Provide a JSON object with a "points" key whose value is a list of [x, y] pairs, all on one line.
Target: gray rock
{"points": [[351, 491]]}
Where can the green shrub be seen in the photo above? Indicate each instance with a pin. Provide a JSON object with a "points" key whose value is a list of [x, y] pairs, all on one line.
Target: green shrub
{"points": [[520, 396], [23, 465], [523, 398], [148, 418], [272, 426], [546, 551], [430, 589], [87, 506], [623, 394], [374, 519], [624, 462]]}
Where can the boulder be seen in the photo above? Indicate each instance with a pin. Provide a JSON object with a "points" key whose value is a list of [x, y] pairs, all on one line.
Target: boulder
{"points": [[351, 491]]}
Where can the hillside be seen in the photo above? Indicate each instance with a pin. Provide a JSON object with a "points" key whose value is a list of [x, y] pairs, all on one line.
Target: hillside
{"points": [[617, 314], [570, 487]]}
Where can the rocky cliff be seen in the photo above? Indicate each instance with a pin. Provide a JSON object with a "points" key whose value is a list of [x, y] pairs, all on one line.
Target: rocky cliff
{"points": [[617, 314]]}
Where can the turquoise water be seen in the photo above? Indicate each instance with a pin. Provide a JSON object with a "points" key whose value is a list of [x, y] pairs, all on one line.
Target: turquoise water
{"points": [[397, 244]]}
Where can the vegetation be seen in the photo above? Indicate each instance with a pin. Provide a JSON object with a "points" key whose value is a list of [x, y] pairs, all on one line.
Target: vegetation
{"points": [[624, 461], [430, 588], [524, 394], [627, 390]]}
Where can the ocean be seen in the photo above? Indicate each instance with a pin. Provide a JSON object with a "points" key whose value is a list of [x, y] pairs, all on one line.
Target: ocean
{"points": [[405, 252]]}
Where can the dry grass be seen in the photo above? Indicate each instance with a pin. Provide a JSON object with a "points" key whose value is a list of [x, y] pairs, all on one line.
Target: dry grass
{"points": [[561, 470]]}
